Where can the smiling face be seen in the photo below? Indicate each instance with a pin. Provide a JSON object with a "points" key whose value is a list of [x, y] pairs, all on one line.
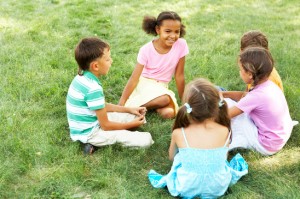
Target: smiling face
{"points": [[169, 32]]}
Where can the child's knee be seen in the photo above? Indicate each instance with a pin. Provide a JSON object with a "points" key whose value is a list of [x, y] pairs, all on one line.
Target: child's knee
{"points": [[165, 100], [149, 140], [144, 140], [166, 113]]}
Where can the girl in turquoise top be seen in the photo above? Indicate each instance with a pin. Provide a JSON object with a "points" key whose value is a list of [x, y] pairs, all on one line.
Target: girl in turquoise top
{"points": [[199, 147]]}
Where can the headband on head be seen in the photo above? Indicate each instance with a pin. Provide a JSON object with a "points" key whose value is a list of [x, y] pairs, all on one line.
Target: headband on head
{"points": [[188, 108]]}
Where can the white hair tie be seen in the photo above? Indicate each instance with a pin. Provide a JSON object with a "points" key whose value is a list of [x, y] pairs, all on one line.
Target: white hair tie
{"points": [[188, 108]]}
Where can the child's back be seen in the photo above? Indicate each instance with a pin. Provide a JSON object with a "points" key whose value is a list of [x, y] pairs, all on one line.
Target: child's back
{"points": [[206, 135], [202, 172], [199, 147]]}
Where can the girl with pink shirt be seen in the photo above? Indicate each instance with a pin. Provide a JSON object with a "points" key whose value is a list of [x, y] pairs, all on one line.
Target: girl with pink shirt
{"points": [[157, 62], [260, 120]]}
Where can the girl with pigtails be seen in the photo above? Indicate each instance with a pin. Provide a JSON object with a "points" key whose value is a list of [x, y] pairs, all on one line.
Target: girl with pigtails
{"points": [[199, 146], [157, 62]]}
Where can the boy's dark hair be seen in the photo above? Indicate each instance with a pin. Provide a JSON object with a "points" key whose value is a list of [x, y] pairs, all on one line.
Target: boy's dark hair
{"points": [[150, 22], [258, 61], [254, 38], [203, 97], [87, 50]]}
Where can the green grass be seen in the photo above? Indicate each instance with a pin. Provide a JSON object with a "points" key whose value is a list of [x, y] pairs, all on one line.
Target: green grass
{"points": [[38, 159]]}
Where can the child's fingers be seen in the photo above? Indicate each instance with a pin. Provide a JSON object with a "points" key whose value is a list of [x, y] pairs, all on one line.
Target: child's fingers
{"points": [[142, 110], [141, 118]]}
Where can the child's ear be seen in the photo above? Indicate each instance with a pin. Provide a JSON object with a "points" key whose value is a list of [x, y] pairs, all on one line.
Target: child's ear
{"points": [[250, 75], [94, 66], [157, 29]]}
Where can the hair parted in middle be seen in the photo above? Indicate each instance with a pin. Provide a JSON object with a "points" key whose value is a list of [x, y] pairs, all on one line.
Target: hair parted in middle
{"points": [[150, 22], [258, 61], [204, 100]]}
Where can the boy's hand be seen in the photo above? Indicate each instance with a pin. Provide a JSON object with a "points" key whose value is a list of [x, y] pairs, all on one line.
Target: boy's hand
{"points": [[138, 111], [139, 120]]}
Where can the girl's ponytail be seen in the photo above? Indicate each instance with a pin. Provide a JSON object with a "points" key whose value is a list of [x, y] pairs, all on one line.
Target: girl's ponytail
{"points": [[181, 119], [223, 117], [149, 25]]}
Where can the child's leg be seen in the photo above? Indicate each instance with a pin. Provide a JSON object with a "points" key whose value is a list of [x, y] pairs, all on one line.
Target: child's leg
{"points": [[163, 105], [120, 117], [167, 112], [244, 132], [159, 102], [242, 127], [245, 135], [134, 138], [124, 137]]}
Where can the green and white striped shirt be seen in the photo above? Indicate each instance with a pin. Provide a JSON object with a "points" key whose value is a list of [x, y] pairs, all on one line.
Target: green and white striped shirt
{"points": [[85, 95]]}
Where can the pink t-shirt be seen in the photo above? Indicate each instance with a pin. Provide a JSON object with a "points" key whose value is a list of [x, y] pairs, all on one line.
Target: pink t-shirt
{"points": [[161, 66], [267, 107]]}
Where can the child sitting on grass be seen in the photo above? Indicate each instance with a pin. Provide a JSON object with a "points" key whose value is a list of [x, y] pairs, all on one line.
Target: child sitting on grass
{"points": [[255, 38], [157, 62], [199, 147], [91, 120], [261, 119]]}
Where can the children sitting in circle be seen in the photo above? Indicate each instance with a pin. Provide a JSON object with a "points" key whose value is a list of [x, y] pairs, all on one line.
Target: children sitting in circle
{"points": [[157, 62], [204, 129], [267, 124], [199, 147], [91, 119]]}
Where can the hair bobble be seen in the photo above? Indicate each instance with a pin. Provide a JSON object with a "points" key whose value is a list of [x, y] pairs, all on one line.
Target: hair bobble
{"points": [[188, 108]]}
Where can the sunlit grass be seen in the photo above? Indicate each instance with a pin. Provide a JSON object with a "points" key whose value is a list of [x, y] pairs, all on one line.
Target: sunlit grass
{"points": [[37, 38]]}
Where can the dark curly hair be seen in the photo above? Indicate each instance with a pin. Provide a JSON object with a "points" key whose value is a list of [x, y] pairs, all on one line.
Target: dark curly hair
{"points": [[150, 22]]}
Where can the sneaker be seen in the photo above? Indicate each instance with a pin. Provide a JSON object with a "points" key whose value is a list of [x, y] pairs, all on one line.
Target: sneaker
{"points": [[88, 149]]}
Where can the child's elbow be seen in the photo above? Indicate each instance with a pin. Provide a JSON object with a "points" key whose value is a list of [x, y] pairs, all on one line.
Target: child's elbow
{"points": [[171, 156], [106, 127]]}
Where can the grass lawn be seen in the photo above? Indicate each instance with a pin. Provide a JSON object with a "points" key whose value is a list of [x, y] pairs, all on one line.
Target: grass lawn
{"points": [[37, 39]]}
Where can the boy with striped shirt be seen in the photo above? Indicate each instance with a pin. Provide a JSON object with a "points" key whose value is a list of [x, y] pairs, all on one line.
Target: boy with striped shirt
{"points": [[92, 121]]}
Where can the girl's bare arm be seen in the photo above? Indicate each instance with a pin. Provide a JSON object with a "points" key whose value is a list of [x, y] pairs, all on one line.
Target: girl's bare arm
{"points": [[173, 149], [179, 77], [131, 84]]}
